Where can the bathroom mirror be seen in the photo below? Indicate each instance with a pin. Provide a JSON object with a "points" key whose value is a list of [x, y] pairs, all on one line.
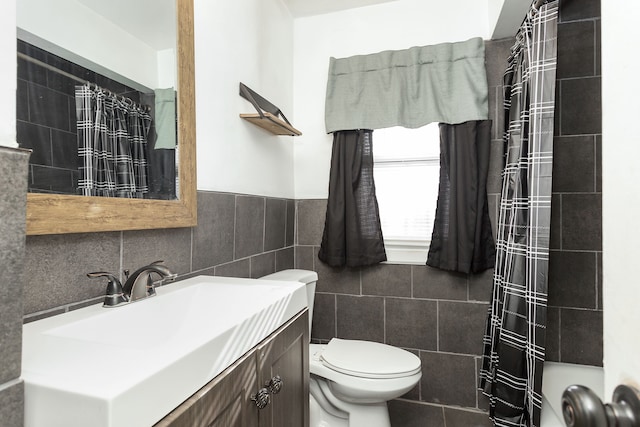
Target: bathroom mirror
{"points": [[57, 214]]}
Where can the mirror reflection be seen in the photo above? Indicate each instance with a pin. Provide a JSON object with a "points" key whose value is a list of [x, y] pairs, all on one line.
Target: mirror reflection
{"points": [[95, 96]]}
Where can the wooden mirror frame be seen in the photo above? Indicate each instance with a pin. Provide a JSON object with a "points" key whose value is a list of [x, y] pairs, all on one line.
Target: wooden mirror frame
{"points": [[59, 214]]}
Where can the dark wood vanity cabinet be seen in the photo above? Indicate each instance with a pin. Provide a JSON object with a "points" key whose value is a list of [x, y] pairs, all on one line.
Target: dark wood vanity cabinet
{"points": [[285, 356], [276, 369]]}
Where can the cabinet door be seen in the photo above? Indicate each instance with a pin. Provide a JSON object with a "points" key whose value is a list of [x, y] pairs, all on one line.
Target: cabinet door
{"points": [[223, 402], [286, 355]]}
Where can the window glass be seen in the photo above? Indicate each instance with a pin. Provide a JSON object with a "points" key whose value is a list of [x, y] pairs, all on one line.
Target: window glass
{"points": [[406, 171]]}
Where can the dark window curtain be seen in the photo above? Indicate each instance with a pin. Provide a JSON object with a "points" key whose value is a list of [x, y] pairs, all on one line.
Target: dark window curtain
{"points": [[162, 174], [162, 168], [352, 234], [462, 239]]}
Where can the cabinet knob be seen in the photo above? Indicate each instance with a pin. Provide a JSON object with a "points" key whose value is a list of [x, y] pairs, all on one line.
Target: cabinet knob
{"points": [[275, 384], [261, 398]]}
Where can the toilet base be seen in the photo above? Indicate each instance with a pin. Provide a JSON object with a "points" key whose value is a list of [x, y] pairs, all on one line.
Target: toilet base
{"points": [[318, 417], [327, 411]]}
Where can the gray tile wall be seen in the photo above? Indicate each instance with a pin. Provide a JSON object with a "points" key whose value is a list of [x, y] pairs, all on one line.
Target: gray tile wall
{"points": [[237, 235], [435, 314], [574, 332], [14, 166], [440, 316]]}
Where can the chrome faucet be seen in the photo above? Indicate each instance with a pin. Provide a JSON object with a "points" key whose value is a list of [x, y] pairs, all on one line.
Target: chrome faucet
{"points": [[138, 285]]}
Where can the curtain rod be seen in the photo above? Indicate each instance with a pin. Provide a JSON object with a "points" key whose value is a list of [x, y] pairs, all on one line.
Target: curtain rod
{"points": [[79, 80], [50, 67]]}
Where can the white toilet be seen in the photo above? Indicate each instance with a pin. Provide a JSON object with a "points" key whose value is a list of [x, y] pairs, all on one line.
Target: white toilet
{"points": [[351, 381]]}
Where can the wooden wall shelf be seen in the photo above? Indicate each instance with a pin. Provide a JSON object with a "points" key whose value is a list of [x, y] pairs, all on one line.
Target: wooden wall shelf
{"points": [[271, 123], [267, 115]]}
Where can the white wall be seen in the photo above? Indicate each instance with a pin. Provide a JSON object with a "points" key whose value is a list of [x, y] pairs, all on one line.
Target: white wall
{"points": [[396, 25], [249, 41], [167, 67], [505, 17], [494, 7], [8, 75], [77, 33], [620, 193]]}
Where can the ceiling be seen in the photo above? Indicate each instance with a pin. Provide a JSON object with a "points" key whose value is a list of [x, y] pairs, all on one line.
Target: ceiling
{"points": [[136, 17], [140, 13], [301, 8]]}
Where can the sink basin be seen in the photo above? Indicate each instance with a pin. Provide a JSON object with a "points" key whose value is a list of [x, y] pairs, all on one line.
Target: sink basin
{"points": [[131, 365]]}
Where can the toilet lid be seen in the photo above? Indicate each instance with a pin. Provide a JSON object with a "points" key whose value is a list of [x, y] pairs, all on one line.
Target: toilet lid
{"points": [[369, 359]]}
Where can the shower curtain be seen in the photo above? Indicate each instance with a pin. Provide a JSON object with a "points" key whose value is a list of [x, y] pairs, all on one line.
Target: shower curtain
{"points": [[514, 343], [112, 144]]}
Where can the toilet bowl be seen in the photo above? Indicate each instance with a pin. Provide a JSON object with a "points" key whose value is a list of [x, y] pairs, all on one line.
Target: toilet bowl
{"points": [[352, 380]]}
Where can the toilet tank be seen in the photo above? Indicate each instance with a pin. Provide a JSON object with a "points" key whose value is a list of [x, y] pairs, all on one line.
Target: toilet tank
{"points": [[309, 278]]}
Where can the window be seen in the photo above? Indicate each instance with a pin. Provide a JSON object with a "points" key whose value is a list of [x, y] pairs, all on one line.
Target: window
{"points": [[406, 172]]}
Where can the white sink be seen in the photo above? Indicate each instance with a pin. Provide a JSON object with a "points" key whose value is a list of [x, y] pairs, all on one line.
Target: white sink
{"points": [[131, 365]]}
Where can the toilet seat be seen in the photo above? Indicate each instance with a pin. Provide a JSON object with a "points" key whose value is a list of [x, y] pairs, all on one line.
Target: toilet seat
{"points": [[361, 388], [367, 359]]}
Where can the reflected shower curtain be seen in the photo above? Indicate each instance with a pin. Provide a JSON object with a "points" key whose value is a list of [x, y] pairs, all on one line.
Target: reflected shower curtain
{"points": [[112, 144], [514, 343]]}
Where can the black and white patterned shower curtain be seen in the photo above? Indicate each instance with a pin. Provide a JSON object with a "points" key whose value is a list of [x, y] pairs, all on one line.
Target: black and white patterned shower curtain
{"points": [[112, 144], [514, 343]]}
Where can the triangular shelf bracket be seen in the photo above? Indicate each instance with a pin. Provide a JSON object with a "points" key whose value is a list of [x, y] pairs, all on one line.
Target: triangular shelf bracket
{"points": [[267, 116]]}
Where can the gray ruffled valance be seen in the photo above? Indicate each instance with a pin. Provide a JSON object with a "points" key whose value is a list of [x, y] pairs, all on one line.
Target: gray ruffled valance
{"points": [[411, 88]]}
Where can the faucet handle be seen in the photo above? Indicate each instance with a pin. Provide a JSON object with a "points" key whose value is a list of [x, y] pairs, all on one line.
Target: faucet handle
{"points": [[114, 295]]}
